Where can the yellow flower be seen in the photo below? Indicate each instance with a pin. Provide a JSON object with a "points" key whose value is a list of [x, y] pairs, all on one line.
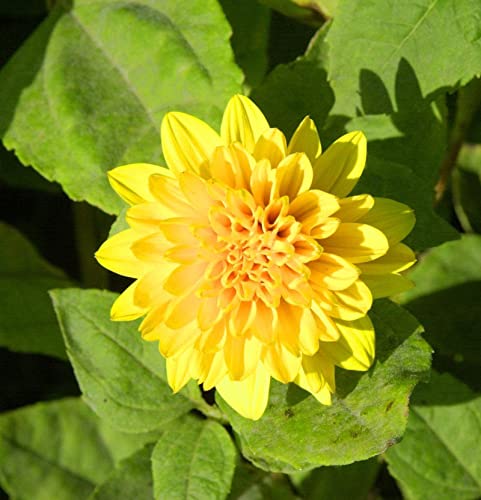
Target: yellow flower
{"points": [[249, 259]]}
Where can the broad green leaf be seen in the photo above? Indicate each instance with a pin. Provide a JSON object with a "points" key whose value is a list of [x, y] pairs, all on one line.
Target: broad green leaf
{"points": [[122, 377], [193, 459], [402, 160], [373, 37], [446, 300], [250, 483], [131, 479], [292, 91], [28, 320], [250, 23], [353, 481], [367, 416], [88, 90], [59, 450], [439, 457]]}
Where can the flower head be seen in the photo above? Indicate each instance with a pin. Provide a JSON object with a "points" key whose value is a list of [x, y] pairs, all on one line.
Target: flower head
{"points": [[249, 259]]}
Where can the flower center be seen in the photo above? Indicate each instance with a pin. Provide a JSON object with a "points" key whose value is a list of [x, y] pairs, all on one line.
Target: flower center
{"points": [[260, 252]]}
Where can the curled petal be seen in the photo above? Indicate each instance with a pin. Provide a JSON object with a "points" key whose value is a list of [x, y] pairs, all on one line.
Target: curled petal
{"points": [[248, 397], [187, 142], [243, 122], [131, 182], [306, 140], [355, 348], [117, 256], [353, 208], [356, 242], [125, 308], [293, 175], [340, 167], [394, 219], [179, 368], [271, 146], [398, 258]]}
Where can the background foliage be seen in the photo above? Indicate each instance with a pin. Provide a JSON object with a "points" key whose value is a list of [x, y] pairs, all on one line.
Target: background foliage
{"points": [[84, 85]]}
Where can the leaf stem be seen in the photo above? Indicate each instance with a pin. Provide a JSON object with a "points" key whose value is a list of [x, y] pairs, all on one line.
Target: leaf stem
{"points": [[212, 412], [469, 99]]}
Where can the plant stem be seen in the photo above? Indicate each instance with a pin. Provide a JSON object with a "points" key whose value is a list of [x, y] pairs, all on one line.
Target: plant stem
{"points": [[469, 99]]}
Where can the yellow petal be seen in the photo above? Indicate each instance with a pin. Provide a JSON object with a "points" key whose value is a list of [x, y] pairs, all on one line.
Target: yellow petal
{"points": [[328, 330], [354, 207], [150, 289], [351, 303], [179, 369], [116, 255], [306, 140], [174, 342], [145, 217], [196, 192], [386, 285], [339, 168], [333, 272], [125, 308], [293, 175], [131, 182], [355, 348], [394, 219], [261, 182], [281, 363], [243, 122], [183, 279], [241, 356], [308, 333], [187, 143], [169, 196], [316, 371], [271, 146], [313, 203], [324, 396], [183, 310], [248, 397], [208, 313], [213, 369], [398, 258], [288, 320], [356, 242], [151, 248]]}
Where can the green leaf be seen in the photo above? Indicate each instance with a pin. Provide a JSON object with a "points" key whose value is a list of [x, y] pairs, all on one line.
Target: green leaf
{"points": [[250, 483], [132, 478], [100, 75], [250, 23], [28, 320], [59, 450], [121, 376], [292, 91], [193, 459], [367, 416], [404, 158], [353, 481], [439, 457], [446, 300], [375, 37], [402, 161]]}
